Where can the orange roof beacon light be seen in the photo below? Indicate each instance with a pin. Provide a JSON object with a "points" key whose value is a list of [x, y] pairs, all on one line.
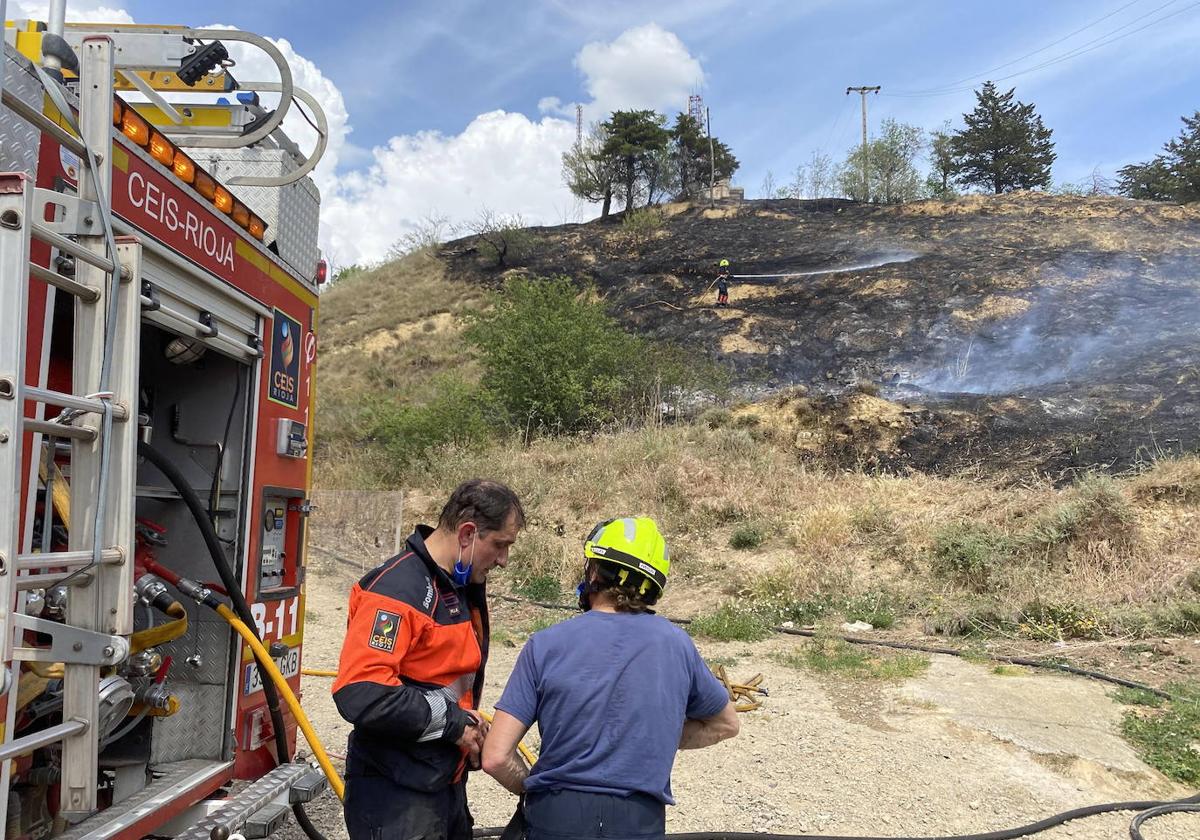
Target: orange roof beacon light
{"points": [[184, 168], [241, 214], [257, 227], [161, 149], [134, 127], [223, 200], [205, 185]]}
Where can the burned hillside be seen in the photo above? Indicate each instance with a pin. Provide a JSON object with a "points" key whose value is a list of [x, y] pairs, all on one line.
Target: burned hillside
{"points": [[1021, 332]]}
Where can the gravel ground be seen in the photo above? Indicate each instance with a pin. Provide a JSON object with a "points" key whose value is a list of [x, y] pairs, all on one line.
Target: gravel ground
{"points": [[958, 750]]}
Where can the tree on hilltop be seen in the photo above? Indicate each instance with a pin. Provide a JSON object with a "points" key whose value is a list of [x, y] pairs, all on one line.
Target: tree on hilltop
{"points": [[1173, 175], [690, 148], [588, 172], [1004, 146], [633, 139]]}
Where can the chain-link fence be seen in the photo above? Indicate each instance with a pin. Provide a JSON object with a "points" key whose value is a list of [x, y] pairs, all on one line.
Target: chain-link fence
{"points": [[356, 527]]}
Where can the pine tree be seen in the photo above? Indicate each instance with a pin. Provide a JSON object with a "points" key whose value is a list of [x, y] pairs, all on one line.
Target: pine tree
{"points": [[1004, 146], [1173, 175], [691, 151], [633, 139]]}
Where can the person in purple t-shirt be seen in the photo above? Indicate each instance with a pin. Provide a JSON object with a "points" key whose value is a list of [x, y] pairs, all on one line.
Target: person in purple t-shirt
{"points": [[615, 692]]}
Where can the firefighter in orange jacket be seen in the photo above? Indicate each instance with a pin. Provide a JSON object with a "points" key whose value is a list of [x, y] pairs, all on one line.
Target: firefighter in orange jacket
{"points": [[411, 670]]}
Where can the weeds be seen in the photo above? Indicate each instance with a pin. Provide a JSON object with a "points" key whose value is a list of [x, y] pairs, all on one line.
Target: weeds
{"points": [[1055, 622], [1137, 697], [731, 624], [539, 588], [834, 656], [1167, 738]]}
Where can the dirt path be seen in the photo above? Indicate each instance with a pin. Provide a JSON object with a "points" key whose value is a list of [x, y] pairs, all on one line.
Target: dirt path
{"points": [[960, 749]]}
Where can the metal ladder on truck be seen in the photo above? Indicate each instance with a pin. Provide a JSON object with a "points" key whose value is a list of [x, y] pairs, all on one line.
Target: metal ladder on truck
{"points": [[99, 419]]}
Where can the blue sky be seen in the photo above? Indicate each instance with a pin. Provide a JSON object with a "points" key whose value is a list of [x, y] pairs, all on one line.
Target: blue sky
{"points": [[448, 104]]}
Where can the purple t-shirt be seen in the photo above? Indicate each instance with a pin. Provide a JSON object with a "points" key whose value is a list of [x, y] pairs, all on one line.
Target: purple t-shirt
{"points": [[610, 693]]}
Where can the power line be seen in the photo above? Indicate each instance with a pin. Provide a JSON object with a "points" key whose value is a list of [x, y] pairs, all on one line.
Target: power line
{"points": [[1089, 46], [1054, 43]]}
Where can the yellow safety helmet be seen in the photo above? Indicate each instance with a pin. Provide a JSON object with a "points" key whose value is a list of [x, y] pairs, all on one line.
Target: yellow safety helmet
{"points": [[724, 263], [634, 550]]}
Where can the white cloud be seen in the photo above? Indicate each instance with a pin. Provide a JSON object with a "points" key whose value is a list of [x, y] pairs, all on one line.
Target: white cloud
{"points": [[83, 11], [645, 67], [501, 161]]}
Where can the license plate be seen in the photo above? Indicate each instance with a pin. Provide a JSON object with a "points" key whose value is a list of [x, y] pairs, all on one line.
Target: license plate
{"points": [[288, 664]]}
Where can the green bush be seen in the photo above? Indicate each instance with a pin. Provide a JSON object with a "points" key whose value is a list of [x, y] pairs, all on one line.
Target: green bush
{"points": [[747, 536], [878, 609], [456, 413], [641, 225], [1098, 512], [556, 361], [969, 554]]}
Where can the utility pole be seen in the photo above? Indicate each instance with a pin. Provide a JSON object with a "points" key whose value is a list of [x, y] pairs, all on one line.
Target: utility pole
{"points": [[712, 161], [863, 91], [578, 125]]}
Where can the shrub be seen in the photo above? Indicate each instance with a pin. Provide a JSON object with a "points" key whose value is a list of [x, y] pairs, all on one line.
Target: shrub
{"points": [[557, 361], [456, 413], [1098, 514], [969, 554], [715, 417], [539, 588], [640, 225], [747, 536]]}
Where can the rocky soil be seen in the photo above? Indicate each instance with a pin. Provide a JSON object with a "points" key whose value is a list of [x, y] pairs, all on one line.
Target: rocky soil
{"points": [[957, 750], [1010, 332]]}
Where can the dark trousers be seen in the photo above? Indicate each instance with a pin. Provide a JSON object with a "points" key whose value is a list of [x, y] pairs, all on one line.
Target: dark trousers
{"points": [[575, 815], [377, 809]]}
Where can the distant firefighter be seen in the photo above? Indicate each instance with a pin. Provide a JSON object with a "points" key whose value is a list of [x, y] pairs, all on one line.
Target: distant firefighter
{"points": [[723, 283]]}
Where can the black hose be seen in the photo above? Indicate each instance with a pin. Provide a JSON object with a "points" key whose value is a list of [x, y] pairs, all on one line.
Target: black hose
{"points": [[943, 651], [1135, 827], [230, 582], [1148, 811]]}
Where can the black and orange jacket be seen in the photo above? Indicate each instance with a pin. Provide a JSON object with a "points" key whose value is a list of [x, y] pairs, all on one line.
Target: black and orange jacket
{"points": [[412, 661]]}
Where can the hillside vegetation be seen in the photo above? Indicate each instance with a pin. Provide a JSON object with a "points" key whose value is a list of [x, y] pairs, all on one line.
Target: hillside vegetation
{"points": [[823, 486]]}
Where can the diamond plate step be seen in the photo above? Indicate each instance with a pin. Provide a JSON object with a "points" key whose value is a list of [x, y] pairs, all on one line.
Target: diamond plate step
{"points": [[273, 788], [172, 781]]}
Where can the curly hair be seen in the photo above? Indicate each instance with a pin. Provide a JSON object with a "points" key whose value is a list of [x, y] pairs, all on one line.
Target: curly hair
{"points": [[625, 597]]}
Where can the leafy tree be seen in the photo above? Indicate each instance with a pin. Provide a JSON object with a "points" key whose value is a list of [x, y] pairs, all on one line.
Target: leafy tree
{"points": [[691, 150], [942, 157], [891, 166], [821, 175], [589, 173], [1173, 175], [633, 138], [1004, 146]]}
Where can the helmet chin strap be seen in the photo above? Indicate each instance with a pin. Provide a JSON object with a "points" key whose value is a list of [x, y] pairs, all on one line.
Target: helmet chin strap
{"points": [[581, 591], [462, 574]]}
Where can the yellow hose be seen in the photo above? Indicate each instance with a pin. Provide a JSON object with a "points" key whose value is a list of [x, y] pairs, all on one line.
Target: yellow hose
{"points": [[264, 659], [163, 633], [316, 672], [525, 752]]}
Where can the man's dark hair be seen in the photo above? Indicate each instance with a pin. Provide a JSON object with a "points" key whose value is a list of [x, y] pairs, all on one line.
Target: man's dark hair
{"points": [[486, 503]]}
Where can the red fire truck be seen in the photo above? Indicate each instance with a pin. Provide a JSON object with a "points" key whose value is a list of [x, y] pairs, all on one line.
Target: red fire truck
{"points": [[159, 270]]}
